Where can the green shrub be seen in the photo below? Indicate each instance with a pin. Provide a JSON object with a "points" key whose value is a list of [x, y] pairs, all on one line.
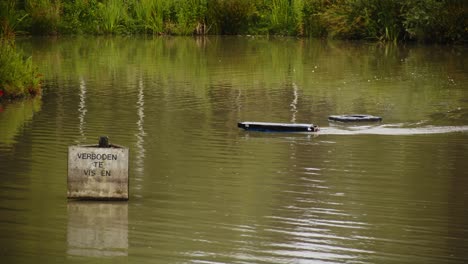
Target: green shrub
{"points": [[79, 16], [363, 19], [435, 20], [18, 76], [44, 15], [11, 18], [231, 17], [312, 24]]}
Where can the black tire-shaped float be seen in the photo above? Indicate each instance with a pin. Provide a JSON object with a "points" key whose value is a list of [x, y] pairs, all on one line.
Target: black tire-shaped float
{"points": [[355, 118]]}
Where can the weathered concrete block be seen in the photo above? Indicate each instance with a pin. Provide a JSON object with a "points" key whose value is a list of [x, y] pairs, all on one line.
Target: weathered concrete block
{"points": [[98, 173]]}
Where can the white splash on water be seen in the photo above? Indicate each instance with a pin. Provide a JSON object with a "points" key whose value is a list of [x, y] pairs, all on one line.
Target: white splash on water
{"points": [[389, 129]]}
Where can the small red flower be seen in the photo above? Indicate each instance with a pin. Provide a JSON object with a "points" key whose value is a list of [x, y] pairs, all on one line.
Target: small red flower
{"points": [[1, 93]]}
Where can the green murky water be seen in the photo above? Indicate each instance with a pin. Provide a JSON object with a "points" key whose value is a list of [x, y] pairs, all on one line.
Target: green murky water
{"points": [[204, 191]]}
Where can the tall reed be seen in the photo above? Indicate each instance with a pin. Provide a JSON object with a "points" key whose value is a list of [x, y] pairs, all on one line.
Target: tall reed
{"points": [[112, 13], [191, 16], [280, 16], [298, 11], [150, 15]]}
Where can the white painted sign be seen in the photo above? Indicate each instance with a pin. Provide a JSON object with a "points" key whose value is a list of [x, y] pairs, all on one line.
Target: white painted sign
{"points": [[97, 173]]}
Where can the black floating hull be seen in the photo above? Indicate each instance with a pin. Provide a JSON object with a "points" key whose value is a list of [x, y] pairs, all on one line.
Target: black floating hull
{"points": [[277, 127], [355, 118]]}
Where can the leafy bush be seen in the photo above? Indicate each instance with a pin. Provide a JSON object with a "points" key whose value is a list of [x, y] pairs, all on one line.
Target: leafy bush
{"points": [[79, 16], [430, 20], [18, 76], [231, 17], [311, 21], [363, 19], [44, 15]]}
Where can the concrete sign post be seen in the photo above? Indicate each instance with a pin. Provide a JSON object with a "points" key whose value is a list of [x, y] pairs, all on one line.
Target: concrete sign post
{"points": [[98, 171]]}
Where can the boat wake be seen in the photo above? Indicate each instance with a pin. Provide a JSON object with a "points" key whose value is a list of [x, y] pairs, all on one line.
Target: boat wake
{"points": [[390, 129]]}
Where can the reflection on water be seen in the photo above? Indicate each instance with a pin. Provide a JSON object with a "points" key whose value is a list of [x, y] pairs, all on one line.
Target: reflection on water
{"points": [[14, 115], [294, 103], [140, 135], [140, 148], [82, 110], [97, 229]]}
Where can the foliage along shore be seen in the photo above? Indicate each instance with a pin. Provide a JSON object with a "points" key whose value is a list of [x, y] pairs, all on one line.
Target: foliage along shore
{"points": [[18, 76], [441, 21]]}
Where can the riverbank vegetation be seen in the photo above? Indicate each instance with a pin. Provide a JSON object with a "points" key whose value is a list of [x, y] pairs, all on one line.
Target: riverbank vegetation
{"points": [[381, 20], [18, 76]]}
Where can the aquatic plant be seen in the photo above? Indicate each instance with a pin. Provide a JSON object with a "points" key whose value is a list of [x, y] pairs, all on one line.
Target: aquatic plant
{"points": [[111, 14], [149, 15], [18, 76], [286, 17], [281, 16], [190, 16]]}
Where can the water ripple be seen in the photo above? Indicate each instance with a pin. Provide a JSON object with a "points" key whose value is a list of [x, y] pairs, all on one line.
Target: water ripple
{"points": [[390, 130]]}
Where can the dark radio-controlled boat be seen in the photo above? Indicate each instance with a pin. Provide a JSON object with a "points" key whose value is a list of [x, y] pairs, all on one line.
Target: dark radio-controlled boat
{"points": [[277, 127]]}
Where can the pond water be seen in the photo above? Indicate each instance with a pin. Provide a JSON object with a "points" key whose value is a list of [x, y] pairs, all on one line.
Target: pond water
{"points": [[203, 190]]}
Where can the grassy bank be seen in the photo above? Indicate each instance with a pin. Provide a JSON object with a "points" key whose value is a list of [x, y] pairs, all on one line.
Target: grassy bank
{"points": [[381, 20], [18, 77]]}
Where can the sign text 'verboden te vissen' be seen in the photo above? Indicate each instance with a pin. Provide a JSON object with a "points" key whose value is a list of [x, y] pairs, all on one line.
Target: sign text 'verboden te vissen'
{"points": [[94, 156], [98, 172]]}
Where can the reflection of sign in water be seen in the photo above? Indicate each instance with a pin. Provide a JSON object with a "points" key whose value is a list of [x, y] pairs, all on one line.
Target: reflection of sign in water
{"points": [[97, 229], [98, 173]]}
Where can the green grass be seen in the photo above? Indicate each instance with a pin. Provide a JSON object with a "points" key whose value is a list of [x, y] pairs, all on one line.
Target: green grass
{"points": [[18, 76], [376, 20], [149, 16], [112, 13]]}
